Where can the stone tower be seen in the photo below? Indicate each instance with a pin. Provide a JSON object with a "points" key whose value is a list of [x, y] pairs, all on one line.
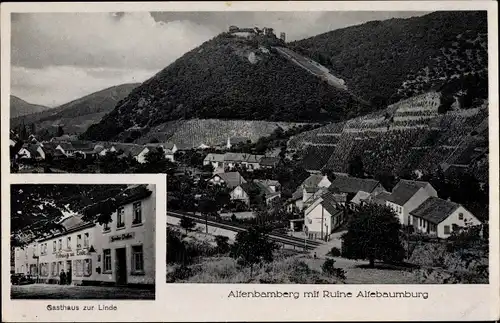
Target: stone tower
{"points": [[283, 36]]}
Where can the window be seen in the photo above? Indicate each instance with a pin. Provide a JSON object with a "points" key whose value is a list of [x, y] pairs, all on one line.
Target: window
{"points": [[137, 213], [60, 266], [107, 260], [68, 243], [78, 268], [79, 241], [119, 218], [137, 259], [60, 244], [446, 229], [460, 216], [106, 227], [54, 269], [86, 240], [54, 247], [87, 267]]}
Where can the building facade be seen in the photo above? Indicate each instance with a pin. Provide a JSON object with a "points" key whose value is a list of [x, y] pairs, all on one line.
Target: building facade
{"points": [[121, 252]]}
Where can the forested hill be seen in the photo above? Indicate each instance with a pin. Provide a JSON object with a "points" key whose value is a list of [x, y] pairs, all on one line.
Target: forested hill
{"points": [[76, 116], [19, 107], [228, 77], [399, 58]]}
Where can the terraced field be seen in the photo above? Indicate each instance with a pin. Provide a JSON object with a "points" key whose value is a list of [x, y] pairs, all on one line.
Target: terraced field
{"points": [[421, 142]]}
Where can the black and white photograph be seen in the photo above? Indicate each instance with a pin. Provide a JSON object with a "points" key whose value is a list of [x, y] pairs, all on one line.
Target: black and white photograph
{"points": [[301, 147], [83, 241]]}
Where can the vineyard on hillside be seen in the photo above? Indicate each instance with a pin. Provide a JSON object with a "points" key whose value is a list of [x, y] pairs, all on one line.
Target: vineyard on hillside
{"points": [[192, 133], [420, 139]]}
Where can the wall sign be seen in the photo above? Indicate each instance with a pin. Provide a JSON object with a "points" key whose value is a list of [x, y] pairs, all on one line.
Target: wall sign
{"points": [[120, 237], [64, 254]]}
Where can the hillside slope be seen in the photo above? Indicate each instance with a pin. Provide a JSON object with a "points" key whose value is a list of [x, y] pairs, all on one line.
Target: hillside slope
{"points": [[193, 133], [408, 136], [399, 58], [76, 116], [19, 107], [228, 77]]}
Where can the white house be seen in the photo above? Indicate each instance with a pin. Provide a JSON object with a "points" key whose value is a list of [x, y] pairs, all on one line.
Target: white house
{"points": [[216, 160], [31, 151], [306, 191], [408, 195], [323, 216], [439, 217]]}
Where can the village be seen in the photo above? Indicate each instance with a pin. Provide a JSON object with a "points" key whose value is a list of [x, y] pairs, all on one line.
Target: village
{"points": [[218, 191]]}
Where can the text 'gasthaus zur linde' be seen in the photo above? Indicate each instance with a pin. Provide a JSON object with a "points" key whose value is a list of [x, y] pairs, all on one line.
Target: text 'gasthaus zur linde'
{"points": [[327, 294]]}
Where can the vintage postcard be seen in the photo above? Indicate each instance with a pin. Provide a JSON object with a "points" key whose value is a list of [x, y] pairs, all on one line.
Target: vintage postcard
{"points": [[326, 154]]}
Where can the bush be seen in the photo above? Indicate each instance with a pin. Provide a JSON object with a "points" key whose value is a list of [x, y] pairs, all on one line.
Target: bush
{"points": [[329, 269], [335, 252]]}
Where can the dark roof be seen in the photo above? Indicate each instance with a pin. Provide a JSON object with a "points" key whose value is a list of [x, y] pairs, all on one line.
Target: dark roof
{"points": [[347, 184], [330, 203], [82, 145], [269, 161], [435, 210], [298, 194], [232, 179], [133, 193], [66, 145], [404, 190], [312, 181], [379, 198]]}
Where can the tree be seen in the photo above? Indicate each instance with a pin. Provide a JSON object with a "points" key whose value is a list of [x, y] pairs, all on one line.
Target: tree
{"points": [[155, 161], [356, 168], [222, 244], [373, 234], [446, 102], [36, 209], [187, 223], [329, 174], [60, 131], [253, 247], [207, 206]]}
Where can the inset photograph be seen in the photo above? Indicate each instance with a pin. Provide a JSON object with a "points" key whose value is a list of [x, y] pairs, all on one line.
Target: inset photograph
{"points": [[83, 241]]}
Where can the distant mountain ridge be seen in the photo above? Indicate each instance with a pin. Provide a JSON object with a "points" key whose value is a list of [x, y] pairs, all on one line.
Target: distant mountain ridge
{"points": [[76, 116], [19, 107]]}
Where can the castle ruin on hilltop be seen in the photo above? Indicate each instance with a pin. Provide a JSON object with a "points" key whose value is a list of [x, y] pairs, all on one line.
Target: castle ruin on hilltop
{"points": [[254, 31]]}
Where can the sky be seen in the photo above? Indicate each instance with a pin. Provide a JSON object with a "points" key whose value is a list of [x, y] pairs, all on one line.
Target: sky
{"points": [[59, 57]]}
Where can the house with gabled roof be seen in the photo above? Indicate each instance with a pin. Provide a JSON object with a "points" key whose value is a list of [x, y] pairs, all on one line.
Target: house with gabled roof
{"points": [[216, 160], [270, 162], [31, 151], [66, 148], [306, 192], [323, 216], [406, 196], [441, 218], [269, 189], [230, 179]]}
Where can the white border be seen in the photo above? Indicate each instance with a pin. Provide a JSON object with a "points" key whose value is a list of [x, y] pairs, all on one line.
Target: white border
{"points": [[205, 302], [36, 310]]}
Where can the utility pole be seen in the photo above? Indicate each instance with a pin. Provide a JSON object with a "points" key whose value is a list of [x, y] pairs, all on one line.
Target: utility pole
{"points": [[322, 216]]}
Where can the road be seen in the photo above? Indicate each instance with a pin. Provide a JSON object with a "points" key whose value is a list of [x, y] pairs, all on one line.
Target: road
{"points": [[49, 291]]}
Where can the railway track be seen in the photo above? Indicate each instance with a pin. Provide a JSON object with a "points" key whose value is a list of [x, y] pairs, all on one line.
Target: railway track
{"points": [[277, 237]]}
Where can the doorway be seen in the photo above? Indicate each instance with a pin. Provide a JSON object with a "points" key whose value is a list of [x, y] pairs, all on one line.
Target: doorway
{"points": [[121, 266], [69, 272]]}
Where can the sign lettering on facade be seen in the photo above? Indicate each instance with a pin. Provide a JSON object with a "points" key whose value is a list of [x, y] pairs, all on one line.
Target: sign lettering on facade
{"points": [[124, 236]]}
